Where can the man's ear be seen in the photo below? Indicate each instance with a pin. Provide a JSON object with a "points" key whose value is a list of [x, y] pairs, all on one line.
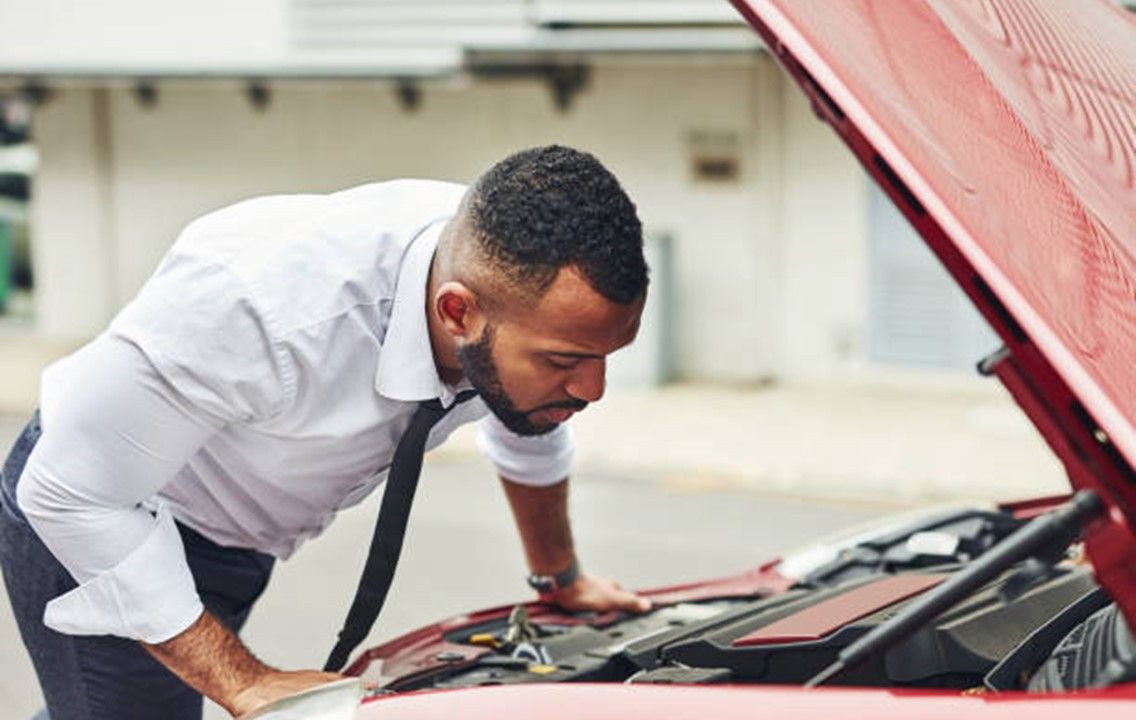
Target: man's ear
{"points": [[455, 306]]}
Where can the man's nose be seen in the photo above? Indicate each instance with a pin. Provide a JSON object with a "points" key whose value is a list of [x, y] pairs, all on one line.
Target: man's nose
{"points": [[588, 381]]}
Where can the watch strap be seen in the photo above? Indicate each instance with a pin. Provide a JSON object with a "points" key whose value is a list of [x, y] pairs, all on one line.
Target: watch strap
{"points": [[551, 583]]}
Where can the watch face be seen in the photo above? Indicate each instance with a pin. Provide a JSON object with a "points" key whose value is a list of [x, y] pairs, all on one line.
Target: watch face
{"points": [[542, 583]]}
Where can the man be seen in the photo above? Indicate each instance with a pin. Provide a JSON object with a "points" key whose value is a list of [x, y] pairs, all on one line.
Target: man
{"points": [[261, 381]]}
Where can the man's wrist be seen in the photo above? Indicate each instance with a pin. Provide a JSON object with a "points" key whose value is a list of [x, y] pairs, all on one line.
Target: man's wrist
{"points": [[548, 584]]}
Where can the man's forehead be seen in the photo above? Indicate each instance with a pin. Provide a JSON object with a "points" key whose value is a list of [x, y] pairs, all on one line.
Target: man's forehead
{"points": [[572, 312]]}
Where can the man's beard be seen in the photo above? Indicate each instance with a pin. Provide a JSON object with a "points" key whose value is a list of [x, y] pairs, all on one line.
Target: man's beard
{"points": [[476, 360]]}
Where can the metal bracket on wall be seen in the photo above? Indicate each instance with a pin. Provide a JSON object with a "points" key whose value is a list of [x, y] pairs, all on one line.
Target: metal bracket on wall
{"points": [[36, 93], [258, 95], [409, 95], [146, 94], [565, 80]]}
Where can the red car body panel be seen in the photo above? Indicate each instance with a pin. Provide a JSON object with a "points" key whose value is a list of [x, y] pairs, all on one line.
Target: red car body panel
{"points": [[1005, 130], [675, 702]]}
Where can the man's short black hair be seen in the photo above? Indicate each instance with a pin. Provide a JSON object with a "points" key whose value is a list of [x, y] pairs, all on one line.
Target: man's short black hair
{"points": [[551, 207]]}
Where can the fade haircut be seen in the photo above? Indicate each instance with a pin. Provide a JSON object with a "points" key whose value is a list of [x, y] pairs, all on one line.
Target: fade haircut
{"points": [[551, 207]]}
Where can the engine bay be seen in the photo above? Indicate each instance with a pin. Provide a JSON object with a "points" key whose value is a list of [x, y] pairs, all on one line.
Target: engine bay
{"points": [[994, 638]]}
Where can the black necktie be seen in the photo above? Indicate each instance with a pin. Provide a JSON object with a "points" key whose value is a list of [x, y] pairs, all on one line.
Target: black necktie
{"points": [[386, 543]]}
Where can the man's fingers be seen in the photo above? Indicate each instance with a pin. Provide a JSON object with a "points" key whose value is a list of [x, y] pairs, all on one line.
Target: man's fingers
{"points": [[634, 603]]}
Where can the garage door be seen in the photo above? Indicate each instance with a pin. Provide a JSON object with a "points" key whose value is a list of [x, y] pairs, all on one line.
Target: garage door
{"points": [[917, 316]]}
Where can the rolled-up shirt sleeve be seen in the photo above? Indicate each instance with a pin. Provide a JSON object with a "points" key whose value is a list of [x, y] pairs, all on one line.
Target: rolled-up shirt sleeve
{"points": [[120, 418], [539, 460]]}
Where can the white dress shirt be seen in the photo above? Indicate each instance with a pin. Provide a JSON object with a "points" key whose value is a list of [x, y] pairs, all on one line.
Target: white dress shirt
{"points": [[257, 384]]}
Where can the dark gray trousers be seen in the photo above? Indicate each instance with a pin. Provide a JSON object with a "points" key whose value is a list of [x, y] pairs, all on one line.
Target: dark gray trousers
{"points": [[95, 677]]}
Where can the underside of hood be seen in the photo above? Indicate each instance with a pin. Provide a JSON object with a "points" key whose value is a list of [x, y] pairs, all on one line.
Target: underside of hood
{"points": [[1005, 131]]}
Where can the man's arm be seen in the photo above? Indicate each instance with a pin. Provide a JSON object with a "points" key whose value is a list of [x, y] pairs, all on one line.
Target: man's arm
{"points": [[81, 490], [541, 514], [210, 658]]}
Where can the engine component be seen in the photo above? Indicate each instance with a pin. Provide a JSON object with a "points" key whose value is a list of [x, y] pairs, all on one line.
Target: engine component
{"points": [[681, 676], [1046, 535], [957, 649], [1098, 652], [1015, 670]]}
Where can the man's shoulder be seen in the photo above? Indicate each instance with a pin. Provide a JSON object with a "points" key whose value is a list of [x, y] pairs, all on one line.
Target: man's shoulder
{"points": [[306, 259], [375, 208], [404, 194]]}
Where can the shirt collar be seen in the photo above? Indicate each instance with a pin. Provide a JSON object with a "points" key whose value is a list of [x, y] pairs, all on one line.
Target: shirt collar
{"points": [[406, 369]]}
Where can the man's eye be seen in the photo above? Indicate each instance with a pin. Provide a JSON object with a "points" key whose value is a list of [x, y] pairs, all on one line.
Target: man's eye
{"points": [[562, 364]]}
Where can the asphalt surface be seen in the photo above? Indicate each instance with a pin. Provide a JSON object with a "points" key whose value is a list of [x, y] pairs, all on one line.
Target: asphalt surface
{"points": [[462, 554]]}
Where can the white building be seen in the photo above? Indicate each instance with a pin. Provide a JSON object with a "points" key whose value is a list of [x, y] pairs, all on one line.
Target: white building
{"points": [[783, 262]]}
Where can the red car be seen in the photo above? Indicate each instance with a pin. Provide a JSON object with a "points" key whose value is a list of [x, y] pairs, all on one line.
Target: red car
{"points": [[1005, 131]]}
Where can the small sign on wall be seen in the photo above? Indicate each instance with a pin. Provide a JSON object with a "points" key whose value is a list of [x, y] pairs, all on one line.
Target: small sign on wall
{"points": [[714, 156]]}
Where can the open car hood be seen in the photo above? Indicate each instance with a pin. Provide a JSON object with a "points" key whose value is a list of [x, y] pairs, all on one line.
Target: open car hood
{"points": [[1005, 131]]}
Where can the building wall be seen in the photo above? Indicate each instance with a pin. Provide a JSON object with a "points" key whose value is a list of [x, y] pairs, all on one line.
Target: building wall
{"points": [[825, 226], [73, 253], [770, 269]]}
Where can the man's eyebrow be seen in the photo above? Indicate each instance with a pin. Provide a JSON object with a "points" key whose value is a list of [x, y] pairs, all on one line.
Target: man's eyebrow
{"points": [[565, 353]]}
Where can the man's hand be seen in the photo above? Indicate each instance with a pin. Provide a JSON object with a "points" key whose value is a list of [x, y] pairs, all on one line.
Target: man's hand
{"points": [[599, 594], [277, 684], [212, 660]]}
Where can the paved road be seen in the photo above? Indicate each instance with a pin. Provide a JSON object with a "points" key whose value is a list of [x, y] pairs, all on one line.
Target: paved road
{"points": [[462, 553]]}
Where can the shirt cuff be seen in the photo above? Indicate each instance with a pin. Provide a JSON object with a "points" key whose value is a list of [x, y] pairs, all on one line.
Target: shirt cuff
{"points": [[149, 596], [538, 461]]}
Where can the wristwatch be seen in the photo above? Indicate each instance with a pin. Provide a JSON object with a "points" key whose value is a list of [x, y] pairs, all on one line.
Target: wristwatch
{"points": [[548, 584]]}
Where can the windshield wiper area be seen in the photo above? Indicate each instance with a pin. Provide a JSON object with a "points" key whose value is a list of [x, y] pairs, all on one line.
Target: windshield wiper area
{"points": [[1040, 536]]}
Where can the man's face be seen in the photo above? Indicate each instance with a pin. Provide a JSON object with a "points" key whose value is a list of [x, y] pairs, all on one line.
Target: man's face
{"points": [[536, 366]]}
